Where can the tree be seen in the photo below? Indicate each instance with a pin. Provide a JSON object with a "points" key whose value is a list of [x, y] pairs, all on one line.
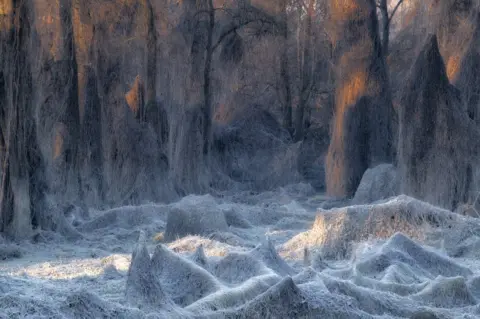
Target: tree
{"points": [[435, 135], [306, 73], [205, 45], [151, 51], [386, 21], [66, 77], [22, 181], [362, 134], [207, 91], [91, 151], [285, 69]]}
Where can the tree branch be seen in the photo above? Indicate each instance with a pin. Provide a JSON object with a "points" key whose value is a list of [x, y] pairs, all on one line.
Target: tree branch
{"points": [[227, 33], [234, 29], [394, 10]]}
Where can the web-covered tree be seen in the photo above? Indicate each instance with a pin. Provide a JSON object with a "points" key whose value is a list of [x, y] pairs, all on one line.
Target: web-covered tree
{"points": [[305, 63], [287, 109], [17, 129], [155, 112], [362, 133], [151, 62], [64, 91], [212, 32], [23, 203], [387, 12], [306, 72]]}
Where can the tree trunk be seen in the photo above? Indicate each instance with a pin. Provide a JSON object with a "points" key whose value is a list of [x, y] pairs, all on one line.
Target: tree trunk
{"points": [[72, 114], [19, 94], [207, 90], [151, 53], [383, 6], [285, 71], [6, 199], [21, 188], [196, 26], [91, 137], [306, 75], [67, 73], [362, 132]]}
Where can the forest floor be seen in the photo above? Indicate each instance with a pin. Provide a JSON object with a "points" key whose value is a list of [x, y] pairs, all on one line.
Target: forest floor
{"points": [[247, 266]]}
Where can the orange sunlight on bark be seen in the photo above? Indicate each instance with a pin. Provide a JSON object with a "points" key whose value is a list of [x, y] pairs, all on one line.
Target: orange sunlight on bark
{"points": [[134, 97], [342, 9], [346, 96], [58, 143], [453, 66]]}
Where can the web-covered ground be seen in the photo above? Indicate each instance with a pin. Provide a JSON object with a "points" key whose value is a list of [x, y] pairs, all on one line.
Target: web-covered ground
{"points": [[268, 255]]}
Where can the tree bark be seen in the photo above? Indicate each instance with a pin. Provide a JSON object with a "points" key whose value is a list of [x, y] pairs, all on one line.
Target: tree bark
{"points": [[306, 75], [362, 131], [285, 71], [66, 73], [207, 91], [91, 136], [386, 21], [21, 190], [383, 6], [151, 52]]}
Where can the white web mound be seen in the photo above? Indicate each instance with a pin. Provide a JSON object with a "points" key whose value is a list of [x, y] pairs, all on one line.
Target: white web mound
{"points": [[191, 217], [336, 230], [400, 258]]}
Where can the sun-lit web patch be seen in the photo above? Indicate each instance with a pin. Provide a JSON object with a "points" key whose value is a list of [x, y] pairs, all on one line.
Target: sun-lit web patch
{"points": [[72, 268]]}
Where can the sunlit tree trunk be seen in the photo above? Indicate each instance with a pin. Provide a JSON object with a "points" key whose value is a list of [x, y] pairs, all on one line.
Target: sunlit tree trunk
{"points": [[362, 132]]}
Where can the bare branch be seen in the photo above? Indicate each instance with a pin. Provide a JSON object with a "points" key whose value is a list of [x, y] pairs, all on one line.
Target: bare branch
{"points": [[228, 32], [394, 10], [234, 29]]}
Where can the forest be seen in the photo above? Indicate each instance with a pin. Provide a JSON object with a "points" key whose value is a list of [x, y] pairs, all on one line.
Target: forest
{"points": [[324, 123]]}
